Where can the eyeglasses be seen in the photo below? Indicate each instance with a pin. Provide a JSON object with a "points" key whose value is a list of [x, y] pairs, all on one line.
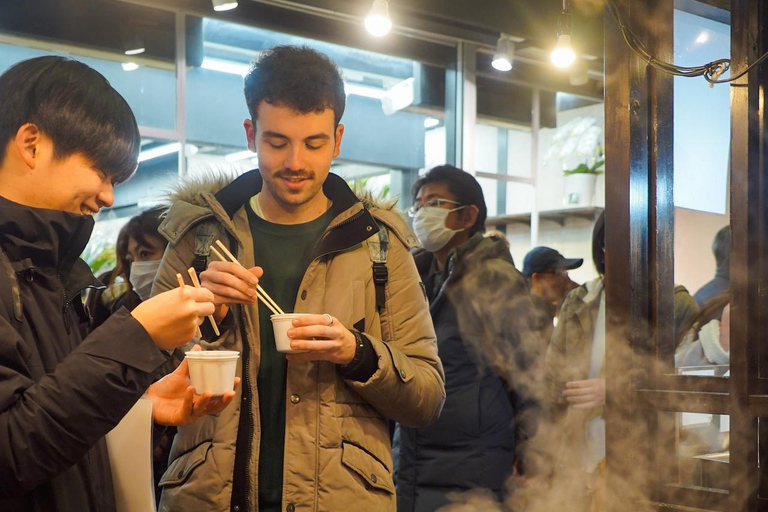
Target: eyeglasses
{"points": [[432, 203]]}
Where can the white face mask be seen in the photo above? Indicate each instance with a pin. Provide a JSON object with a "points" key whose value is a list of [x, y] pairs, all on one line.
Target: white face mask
{"points": [[429, 226], [142, 276]]}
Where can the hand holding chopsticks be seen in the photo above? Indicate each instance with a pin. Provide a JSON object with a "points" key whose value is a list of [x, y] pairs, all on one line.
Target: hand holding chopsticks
{"points": [[260, 293], [196, 282]]}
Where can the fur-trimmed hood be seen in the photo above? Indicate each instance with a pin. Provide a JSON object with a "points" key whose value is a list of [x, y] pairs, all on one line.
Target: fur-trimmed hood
{"points": [[190, 189]]}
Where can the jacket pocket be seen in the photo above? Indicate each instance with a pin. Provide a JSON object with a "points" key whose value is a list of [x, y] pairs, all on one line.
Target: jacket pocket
{"points": [[373, 472], [180, 469]]}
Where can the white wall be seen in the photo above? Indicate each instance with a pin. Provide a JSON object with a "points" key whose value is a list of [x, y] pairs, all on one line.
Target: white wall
{"points": [[694, 232]]}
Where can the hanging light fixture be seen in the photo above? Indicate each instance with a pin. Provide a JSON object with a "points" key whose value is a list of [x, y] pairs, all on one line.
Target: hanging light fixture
{"points": [[377, 22], [224, 5], [563, 55], [505, 53]]}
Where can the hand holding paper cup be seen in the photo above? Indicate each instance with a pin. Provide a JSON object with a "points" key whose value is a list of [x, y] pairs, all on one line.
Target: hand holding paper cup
{"points": [[281, 324], [212, 371]]}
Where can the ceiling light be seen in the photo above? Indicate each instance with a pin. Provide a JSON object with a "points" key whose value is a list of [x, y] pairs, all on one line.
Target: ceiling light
{"points": [[225, 66], [703, 37], [130, 66], [431, 122], [135, 51], [167, 149], [223, 5], [505, 52], [563, 55], [377, 22]]}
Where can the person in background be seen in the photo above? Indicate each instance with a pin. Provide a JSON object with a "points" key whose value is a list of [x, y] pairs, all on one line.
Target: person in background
{"points": [[721, 248], [708, 342], [574, 372], [66, 138], [128, 284], [546, 271], [481, 310]]}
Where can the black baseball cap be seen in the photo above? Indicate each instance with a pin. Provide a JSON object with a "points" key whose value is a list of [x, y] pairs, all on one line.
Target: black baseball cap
{"points": [[539, 259]]}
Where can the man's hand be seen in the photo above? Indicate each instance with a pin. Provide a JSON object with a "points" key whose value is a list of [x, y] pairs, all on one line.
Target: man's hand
{"points": [[174, 402], [333, 343], [171, 318], [230, 284], [585, 394]]}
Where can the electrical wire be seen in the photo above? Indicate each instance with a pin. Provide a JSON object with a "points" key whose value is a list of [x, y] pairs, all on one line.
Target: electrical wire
{"points": [[710, 71]]}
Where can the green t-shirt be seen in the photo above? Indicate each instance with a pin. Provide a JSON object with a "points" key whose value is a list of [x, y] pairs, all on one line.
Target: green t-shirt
{"points": [[284, 252]]}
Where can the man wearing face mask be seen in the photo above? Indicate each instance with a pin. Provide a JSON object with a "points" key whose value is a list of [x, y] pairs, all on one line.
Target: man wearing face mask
{"points": [[482, 313]]}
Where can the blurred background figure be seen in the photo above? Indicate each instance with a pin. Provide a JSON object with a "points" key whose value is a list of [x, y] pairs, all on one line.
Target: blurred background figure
{"points": [[481, 311], [139, 250], [721, 247], [574, 365], [708, 342], [546, 271]]}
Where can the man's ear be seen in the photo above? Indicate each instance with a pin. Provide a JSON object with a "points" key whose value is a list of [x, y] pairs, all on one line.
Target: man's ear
{"points": [[470, 216], [339, 135], [250, 134], [27, 143]]}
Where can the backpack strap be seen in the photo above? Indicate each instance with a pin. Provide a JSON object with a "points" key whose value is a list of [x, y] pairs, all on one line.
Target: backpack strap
{"points": [[207, 233], [378, 248], [8, 282]]}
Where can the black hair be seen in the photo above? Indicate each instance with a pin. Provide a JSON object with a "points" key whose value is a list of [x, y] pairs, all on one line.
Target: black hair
{"points": [[297, 77], [721, 247], [598, 243], [462, 185], [139, 228], [76, 108]]}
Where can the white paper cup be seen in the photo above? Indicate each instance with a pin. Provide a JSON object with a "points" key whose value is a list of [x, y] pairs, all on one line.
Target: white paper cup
{"points": [[281, 324], [212, 370]]}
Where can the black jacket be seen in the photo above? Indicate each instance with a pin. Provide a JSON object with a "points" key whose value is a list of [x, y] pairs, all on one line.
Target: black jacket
{"points": [[60, 394], [488, 343]]}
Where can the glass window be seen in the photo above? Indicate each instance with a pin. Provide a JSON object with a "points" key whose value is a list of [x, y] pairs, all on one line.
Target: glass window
{"points": [[149, 86], [702, 210]]}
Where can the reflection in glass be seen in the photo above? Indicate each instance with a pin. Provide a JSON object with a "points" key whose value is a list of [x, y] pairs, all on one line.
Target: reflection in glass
{"points": [[701, 184]]}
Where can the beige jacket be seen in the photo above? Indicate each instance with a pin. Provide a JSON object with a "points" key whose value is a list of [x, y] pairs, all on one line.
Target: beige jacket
{"points": [[337, 447]]}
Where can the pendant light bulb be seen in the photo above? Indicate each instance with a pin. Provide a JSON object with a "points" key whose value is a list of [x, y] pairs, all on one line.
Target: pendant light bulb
{"points": [[223, 5], [563, 55], [377, 22]]}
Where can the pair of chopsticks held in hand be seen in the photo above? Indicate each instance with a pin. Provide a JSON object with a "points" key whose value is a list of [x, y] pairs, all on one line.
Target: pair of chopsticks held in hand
{"points": [[196, 282], [260, 293]]}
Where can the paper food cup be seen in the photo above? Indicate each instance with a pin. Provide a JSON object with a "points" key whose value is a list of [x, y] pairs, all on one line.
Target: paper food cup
{"points": [[281, 324], [212, 370]]}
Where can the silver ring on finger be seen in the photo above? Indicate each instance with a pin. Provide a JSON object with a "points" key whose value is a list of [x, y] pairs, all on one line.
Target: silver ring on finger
{"points": [[330, 319]]}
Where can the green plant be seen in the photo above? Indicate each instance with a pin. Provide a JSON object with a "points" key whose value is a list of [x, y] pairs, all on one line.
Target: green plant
{"points": [[586, 169]]}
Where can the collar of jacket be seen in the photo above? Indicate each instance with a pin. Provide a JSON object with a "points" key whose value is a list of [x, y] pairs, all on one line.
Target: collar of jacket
{"points": [[51, 240], [357, 222], [471, 254]]}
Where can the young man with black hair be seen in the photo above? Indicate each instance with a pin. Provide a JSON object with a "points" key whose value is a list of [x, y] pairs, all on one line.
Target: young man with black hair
{"points": [[310, 432], [481, 310], [66, 138]]}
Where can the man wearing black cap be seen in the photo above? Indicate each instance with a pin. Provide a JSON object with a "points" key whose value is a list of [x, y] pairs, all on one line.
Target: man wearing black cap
{"points": [[547, 273]]}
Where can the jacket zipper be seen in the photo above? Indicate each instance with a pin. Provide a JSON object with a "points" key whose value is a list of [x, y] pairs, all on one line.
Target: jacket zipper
{"points": [[65, 309], [249, 402]]}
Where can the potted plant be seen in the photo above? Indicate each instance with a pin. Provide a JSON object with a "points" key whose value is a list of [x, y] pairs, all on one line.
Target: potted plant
{"points": [[579, 182], [578, 145]]}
